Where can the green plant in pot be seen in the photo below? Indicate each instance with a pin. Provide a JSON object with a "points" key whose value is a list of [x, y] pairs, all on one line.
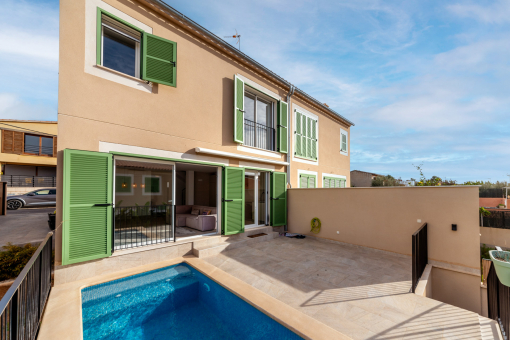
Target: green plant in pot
{"points": [[501, 261]]}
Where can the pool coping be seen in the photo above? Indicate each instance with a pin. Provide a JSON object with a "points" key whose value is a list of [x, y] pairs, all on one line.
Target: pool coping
{"points": [[62, 317]]}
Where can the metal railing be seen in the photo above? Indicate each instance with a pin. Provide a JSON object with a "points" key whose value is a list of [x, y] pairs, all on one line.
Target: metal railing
{"points": [[258, 135], [138, 226], [22, 307], [420, 254], [498, 301], [29, 181]]}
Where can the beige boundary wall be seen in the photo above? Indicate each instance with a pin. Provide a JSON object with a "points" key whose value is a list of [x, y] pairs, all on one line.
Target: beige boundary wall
{"points": [[386, 218], [495, 237]]}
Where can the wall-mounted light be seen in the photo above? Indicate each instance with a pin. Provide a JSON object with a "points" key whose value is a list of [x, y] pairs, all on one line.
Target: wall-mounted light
{"points": [[134, 185], [143, 185], [124, 185]]}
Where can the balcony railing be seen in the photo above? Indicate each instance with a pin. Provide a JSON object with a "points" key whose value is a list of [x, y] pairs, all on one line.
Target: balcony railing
{"points": [[29, 181], [258, 135]]}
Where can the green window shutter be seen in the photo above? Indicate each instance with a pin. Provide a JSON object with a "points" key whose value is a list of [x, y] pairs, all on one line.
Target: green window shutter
{"points": [[233, 201], [326, 182], [342, 183], [309, 138], [311, 182], [159, 57], [314, 140], [303, 181], [283, 127], [278, 199], [344, 143], [304, 138], [297, 147], [238, 110], [86, 229]]}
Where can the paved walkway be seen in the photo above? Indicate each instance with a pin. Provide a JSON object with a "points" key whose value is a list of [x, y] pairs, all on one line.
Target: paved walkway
{"points": [[26, 225], [362, 293]]}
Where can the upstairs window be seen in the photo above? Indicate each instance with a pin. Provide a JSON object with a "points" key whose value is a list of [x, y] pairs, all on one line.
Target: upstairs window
{"points": [[121, 47], [306, 132], [259, 122], [129, 50], [344, 142], [38, 145]]}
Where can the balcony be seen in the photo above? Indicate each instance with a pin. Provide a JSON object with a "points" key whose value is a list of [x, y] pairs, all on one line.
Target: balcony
{"points": [[259, 136]]}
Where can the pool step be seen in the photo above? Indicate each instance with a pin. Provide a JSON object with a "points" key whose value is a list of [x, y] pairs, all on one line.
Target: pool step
{"points": [[224, 243]]}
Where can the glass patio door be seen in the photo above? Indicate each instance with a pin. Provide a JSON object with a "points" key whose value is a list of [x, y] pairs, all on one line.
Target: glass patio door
{"points": [[256, 202], [144, 200]]}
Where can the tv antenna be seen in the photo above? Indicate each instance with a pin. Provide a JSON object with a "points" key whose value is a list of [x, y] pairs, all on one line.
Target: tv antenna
{"points": [[235, 36]]}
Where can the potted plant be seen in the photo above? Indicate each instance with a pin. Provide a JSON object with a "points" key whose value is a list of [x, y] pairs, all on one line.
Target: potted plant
{"points": [[51, 220], [501, 206], [501, 261]]}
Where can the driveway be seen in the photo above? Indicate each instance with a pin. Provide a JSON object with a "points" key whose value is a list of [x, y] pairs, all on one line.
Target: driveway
{"points": [[26, 225]]}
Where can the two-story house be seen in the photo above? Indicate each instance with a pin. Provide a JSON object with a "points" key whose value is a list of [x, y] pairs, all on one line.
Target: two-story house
{"points": [[169, 133], [28, 154]]}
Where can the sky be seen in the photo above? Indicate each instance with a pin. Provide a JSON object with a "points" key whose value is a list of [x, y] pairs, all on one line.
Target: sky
{"points": [[425, 82]]}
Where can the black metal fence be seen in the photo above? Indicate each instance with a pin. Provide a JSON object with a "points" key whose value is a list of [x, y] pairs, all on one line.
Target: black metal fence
{"points": [[420, 254], [137, 226], [258, 135], [22, 307], [492, 193], [498, 300], [496, 219], [29, 181]]}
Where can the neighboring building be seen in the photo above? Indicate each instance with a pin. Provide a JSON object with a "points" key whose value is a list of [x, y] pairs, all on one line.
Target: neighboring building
{"points": [[156, 111], [362, 178], [29, 149]]}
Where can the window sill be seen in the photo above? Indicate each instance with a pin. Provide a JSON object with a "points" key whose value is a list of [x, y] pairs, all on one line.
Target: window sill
{"points": [[122, 74], [305, 158], [259, 151]]}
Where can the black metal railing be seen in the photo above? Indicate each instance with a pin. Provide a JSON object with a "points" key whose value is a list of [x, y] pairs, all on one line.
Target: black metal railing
{"points": [[138, 226], [498, 301], [496, 219], [258, 135], [22, 307], [420, 254], [29, 181]]}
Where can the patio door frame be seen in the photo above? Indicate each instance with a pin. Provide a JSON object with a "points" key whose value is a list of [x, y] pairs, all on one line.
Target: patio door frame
{"points": [[144, 160], [256, 174]]}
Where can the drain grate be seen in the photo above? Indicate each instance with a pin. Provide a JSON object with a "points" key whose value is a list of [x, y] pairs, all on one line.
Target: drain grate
{"points": [[257, 235]]}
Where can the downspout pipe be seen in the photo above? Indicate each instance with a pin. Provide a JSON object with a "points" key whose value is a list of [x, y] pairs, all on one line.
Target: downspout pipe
{"points": [[289, 112]]}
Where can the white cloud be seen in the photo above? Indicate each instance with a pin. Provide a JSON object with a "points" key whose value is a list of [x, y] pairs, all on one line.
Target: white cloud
{"points": [[18, 42], [12, 107], [497, 13]]}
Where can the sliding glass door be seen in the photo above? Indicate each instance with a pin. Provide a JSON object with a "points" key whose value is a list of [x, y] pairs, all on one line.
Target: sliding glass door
{"points": [[256, 186], [144, 199]]}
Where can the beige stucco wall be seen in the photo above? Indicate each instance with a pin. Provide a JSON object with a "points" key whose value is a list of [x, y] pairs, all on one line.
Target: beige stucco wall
{"points": [[385, 218], [50, 128], [456, 288], [495, 237]]}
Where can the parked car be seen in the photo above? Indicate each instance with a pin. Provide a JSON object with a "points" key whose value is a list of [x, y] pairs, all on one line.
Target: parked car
{"points": [[36, 198]]}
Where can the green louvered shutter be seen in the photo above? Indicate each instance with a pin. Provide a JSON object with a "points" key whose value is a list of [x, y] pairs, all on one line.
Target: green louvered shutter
{"points": [[297, 147], [303, 181], [344, 143], [304, 135], [233, 201], [314, 139], [326, 182], [87, 206], [309, 138], [159, 57], [283, 127], [238, 110], [278, 199]]}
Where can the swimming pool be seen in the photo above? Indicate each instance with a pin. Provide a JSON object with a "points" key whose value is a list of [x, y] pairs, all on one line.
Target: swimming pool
{"points": [[176, 302]]}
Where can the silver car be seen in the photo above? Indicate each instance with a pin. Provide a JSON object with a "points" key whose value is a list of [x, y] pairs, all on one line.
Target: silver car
{"points": [[36, 198]]}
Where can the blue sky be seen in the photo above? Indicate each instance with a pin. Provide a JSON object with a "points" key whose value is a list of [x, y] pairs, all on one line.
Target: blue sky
{"points": [[425, 82]]}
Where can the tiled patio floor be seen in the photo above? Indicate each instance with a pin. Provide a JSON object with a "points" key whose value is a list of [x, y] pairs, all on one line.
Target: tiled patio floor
{"points": [[362, 293]]}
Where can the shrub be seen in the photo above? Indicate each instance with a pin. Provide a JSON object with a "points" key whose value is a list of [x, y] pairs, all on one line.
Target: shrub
{"points": [[13, 259]]}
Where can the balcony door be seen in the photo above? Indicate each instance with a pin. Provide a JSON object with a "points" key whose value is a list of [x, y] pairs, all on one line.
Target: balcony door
{"points": [[256, 186], [259, 129]]}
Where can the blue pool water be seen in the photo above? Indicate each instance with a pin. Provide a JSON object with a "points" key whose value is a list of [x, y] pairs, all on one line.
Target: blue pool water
{"points": [[175, 302]]}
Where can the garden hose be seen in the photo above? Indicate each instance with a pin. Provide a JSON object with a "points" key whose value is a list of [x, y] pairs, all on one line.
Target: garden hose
{"points": [[316, 225]]}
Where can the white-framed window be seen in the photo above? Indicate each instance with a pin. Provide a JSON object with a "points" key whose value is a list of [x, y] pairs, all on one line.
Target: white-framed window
{"points": [[259, 120], [307, 179], [306, 132], [344, 142], [120, 46], [333, 181], [151, 185]]}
